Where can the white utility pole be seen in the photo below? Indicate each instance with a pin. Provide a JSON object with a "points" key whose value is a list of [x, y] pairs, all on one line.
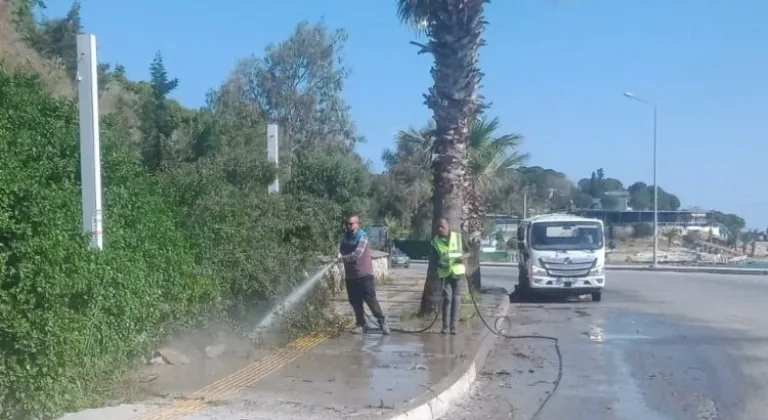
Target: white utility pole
{"points": [[273, 147], [655, 262], [90, 155]]}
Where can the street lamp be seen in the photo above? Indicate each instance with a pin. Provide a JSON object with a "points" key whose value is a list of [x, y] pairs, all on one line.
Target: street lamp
{"points": [[655, 185]]}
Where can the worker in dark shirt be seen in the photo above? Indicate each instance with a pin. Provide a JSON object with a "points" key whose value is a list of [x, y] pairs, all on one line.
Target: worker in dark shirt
{"points": [[355, 253], [449, 250]]}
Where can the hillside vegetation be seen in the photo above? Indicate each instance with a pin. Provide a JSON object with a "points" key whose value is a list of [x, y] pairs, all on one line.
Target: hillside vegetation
{"points": [[190, 231]]}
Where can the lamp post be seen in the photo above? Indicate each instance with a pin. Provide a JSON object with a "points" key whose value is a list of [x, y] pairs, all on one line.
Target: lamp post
{"points": [[655, 185]]}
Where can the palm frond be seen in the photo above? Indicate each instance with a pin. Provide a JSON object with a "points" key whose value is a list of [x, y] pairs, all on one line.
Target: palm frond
{"points": [[491, 160], [415, 13], [418, 145]]}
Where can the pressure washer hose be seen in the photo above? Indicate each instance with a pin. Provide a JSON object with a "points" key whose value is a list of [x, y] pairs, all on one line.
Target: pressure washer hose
{"points": [[498, 333]]}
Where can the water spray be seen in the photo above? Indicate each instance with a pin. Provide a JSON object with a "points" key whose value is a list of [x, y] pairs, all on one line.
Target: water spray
{"points": [[294, 297]]}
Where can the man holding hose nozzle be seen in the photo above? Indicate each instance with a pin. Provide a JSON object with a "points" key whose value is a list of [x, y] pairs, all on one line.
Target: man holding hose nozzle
{"points": [[355, 253], [449, 250]]}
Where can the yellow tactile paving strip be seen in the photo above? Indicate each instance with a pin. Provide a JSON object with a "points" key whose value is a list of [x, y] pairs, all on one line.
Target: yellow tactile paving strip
{"points": [[230, 386]]}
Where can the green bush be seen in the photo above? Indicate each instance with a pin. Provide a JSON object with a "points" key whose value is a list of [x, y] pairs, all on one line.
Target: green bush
{"points": [[177, 246], [256, 246], [339, 178], [642, 230]]}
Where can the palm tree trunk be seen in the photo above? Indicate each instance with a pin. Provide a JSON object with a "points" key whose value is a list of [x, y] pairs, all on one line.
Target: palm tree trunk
{"points": [[475, 224], [455, 29], [473, 265], [448, 171]]}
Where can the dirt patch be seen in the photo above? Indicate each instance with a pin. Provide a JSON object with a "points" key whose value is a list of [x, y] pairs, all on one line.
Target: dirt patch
{"points": [[16, 55]]}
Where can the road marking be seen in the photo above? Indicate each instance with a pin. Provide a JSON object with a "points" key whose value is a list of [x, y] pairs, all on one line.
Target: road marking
{"points": [[232, 385]]}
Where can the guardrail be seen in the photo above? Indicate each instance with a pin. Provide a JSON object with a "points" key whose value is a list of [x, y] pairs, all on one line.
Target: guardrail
{"points": [[660, 269]]}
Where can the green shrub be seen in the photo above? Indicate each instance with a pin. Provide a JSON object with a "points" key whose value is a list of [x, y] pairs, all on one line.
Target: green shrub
{"points": [[256, 246], [197, 240], [71, 318], [335, 177], [642, 230]]}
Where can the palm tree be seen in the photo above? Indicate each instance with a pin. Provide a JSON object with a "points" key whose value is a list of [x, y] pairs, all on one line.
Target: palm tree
{"points": [[454, 29], [413, 161], [492, 162]]}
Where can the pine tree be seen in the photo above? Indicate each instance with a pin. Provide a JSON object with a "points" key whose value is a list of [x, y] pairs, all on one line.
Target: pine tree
{"points": [[157, 124]]}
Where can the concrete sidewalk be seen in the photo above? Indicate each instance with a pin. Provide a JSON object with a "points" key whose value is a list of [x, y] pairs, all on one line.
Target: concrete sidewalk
{"points": [[350, 377], [370, 376]]}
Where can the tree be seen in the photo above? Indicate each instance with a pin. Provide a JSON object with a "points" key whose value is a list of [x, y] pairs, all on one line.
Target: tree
{"points": [[492, 162], [732, 222], [298, 84], [454, 30], [749, 239], [157, 123], [640, 197], [642, 230], [339, 178], [57, 38], [597, 187], [406, 189]]}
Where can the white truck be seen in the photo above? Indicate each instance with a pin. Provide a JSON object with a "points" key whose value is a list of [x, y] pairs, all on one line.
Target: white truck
{"points": [[561, 254]]}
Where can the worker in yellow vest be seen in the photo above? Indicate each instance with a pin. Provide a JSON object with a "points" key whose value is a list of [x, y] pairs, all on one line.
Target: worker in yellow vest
{"points": [[449, 250]]}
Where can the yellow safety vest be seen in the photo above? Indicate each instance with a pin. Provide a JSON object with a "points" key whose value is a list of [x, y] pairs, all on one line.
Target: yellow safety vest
{"points": [[453, 250]]}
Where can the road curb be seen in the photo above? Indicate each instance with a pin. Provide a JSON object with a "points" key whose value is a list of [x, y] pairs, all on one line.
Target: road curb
{"points": [[691, 269], [662, 269], [454, 386]]}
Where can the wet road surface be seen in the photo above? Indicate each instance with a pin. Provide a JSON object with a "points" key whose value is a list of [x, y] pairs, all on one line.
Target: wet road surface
{"points": [[661, 346], [353, 377]]}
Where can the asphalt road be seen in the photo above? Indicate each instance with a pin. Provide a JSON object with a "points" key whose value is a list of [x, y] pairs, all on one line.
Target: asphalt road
{"points": [[659, 346]]}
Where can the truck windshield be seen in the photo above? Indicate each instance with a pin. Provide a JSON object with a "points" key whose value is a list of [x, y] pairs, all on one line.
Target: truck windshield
{"points": [[566, 236]]}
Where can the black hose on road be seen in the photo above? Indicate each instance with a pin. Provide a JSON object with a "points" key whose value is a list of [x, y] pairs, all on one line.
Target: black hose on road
{"points": [[498, 333], [495, 331]]}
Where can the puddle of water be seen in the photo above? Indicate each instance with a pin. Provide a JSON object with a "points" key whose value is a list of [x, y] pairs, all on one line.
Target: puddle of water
{"points": [[399, 367], [598, 334], [631, 404], [626, 337]]}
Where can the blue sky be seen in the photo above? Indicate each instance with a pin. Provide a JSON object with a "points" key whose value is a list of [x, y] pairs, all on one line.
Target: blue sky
{"points": [[555, 72]]}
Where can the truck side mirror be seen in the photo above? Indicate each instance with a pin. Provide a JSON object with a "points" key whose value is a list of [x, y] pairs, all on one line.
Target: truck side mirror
{"points": [[520, 234]]}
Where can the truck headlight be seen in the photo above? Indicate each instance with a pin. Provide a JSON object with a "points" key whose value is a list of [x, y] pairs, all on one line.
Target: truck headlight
{"points": [[535, 270], [597, 271]]}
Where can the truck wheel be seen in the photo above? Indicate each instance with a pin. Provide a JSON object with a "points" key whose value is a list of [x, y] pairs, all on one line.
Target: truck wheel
{"points": [[522, 289], [597, 296], [522, 279]]}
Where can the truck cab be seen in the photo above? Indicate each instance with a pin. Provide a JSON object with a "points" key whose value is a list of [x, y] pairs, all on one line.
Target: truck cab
{"points": [[561, 254]]}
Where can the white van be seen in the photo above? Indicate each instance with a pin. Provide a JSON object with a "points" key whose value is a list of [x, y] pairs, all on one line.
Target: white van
{"points": [[561, 254]]}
